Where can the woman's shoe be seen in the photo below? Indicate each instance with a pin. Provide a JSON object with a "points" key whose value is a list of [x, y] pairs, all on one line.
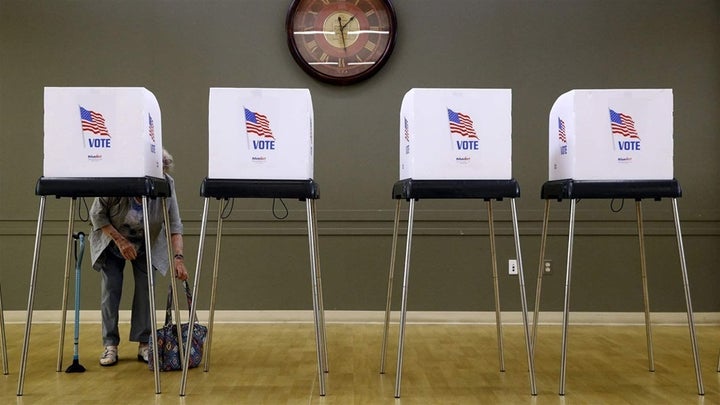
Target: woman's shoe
{"points": [[143, 352], [109, 356]]}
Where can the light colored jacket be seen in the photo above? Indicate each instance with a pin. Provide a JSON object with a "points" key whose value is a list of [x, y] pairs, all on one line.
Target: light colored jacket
{"points": [[113, 210]]}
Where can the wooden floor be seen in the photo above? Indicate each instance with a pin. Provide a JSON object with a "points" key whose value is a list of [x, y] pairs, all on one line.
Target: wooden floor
{"points": [[444, 364]]}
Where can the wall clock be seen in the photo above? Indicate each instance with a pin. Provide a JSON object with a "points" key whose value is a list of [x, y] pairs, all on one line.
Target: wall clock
{"points": [[341, 41]]}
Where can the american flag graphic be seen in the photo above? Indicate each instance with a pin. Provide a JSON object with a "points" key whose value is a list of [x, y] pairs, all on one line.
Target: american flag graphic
{"points": [[151, 128], [561, 131], [623, 124], [407, 130], [93, 122], [257, 124], [461, 124]]}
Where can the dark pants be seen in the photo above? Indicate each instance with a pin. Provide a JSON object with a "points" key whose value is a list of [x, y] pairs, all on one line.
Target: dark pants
{"points": [[111, 292]]}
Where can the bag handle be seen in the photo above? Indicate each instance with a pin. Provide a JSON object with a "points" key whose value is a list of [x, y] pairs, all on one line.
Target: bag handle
{"points": [[168, 308], [188, 295]]}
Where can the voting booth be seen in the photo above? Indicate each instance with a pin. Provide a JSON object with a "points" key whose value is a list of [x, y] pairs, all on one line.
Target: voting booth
{"points": [[260, 146], [99, 142], [612, 135], [456, 134], [612, 144], [101, 132], [455, 144], [260, 134]]}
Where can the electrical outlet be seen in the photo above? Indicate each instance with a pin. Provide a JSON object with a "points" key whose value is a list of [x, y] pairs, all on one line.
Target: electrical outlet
{"points": [[547, 267], [512, 267]]}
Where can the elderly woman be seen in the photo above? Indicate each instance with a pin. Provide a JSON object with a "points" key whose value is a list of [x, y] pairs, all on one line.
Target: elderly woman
{"points": [[118, 235]]}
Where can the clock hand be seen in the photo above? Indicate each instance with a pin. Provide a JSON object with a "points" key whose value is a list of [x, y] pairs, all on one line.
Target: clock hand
{"points": [[342, 27], [342, 35]]}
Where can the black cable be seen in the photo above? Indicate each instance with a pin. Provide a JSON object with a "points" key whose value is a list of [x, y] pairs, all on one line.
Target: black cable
{"points": [[228, 203], [287, 212], [80, 212], [612, 203]]}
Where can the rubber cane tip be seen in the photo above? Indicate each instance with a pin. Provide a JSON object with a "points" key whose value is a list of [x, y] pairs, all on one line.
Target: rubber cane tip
{"points": [[75, 367]]}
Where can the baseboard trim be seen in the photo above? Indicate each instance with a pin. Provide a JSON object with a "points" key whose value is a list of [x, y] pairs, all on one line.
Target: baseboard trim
{"points": [[417, 317]]}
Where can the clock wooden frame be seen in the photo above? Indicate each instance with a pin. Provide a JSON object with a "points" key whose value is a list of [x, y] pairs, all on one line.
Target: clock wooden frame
{"points": [[344, 51]]}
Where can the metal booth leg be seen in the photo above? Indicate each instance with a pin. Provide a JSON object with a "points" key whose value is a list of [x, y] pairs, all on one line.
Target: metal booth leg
{"points": [[523, 300], [646, 295], [326, 367], [151, 291], [538, 287], [566, 305], [213, 290], [388, 302], [203, 224], [319, 343], [496, 288], [688, 303], [403, 307], [63, 311], [31, 295], [3, 341], [171, 262]]}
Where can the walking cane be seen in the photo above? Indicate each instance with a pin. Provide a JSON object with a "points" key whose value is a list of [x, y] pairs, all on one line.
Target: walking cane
{"points": [[76, 367]]}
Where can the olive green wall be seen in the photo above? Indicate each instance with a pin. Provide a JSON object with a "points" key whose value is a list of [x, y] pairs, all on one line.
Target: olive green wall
{"points": [[540, 49]]}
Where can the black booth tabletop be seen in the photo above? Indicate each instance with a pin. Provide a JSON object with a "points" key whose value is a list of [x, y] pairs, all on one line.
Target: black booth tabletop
{"points": [[447, 189], [259, 188], [637, 189], [103, 187]]}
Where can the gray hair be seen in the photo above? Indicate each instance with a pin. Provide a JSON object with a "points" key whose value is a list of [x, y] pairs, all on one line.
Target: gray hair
{"points": [[168, 162]]}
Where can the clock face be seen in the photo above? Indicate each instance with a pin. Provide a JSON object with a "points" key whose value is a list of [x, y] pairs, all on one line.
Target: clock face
{"points": [[341, 41]]}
